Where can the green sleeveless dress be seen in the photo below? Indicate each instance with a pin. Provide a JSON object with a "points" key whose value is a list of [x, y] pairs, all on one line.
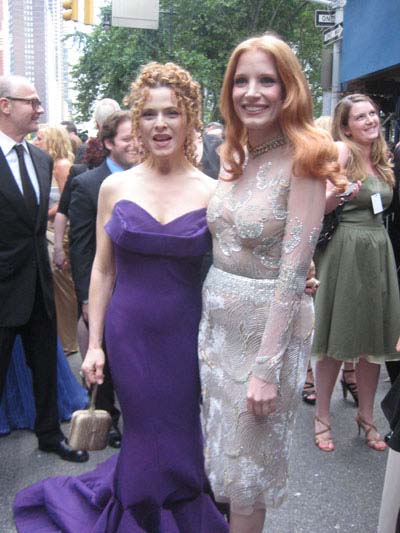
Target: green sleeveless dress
{"points": [[357, 307]]}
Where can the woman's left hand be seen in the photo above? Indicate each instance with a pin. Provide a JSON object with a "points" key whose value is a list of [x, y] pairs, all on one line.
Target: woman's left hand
{"points": [[261, 397], [312, 283], [398, 345], [356, 190], [93, 366]]}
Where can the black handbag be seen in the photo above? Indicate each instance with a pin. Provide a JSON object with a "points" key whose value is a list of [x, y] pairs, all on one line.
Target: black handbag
{"points": [[329, 226]]}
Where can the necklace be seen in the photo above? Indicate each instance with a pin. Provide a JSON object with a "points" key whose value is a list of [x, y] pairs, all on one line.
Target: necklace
{"points": [[266, 147]]}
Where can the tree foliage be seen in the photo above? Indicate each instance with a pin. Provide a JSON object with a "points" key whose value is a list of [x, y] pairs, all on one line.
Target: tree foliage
{"points": [[198, 35]]}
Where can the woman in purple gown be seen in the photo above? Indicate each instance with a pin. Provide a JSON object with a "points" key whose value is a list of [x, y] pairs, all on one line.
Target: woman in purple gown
{"points": [[146, 291]]}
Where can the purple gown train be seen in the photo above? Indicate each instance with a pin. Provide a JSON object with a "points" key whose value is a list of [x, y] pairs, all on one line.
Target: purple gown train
{"points": [[157, 482]]}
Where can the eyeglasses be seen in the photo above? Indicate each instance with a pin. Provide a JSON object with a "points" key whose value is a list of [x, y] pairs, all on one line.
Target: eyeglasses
{"points": [[35, 102]]}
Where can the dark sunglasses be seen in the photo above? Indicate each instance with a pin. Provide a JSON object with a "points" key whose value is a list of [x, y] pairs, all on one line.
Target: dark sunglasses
{"points": [[35, 102]]}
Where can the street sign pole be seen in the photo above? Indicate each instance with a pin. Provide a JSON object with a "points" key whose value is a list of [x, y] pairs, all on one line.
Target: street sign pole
{"points": [[337, 56], [338, 7]]}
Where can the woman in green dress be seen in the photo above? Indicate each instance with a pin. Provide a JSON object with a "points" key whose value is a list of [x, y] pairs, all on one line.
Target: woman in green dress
{"points": [[357, 307]]}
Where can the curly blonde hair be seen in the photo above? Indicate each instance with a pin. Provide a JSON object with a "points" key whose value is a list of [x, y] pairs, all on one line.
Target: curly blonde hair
{"points": [[57, 142], [186, 91], [314, 152], [356, 168]]}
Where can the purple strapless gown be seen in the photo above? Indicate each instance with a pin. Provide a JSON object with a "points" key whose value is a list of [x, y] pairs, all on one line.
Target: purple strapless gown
{"points": [[157, 482]]}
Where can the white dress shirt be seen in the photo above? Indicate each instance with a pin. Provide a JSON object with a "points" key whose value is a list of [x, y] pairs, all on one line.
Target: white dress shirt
{"points": [[7, 147]]}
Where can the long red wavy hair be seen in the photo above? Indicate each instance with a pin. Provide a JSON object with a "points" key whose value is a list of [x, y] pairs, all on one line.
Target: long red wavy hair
{"points": [[314, 153]]}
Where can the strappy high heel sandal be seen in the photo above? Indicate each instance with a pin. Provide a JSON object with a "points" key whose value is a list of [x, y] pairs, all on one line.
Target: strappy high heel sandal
{"points": [[324, 444], [308, 393], [376, 443], [349, 387]]}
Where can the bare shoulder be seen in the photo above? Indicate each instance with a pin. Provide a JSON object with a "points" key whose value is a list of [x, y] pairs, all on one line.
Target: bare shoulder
{"points": [[110, 188], [120, 185], [114, 181], [343, 152], [62, 164], [61, 168]]}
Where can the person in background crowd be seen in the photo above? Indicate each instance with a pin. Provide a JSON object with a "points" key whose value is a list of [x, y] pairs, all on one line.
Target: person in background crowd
{"points": [[256, 328], [92, 152], [214, 128], [61, 218], [26, 291], [17, 408], [93, 155], [357, 306], [212, 138], [348, 379], [116, 136], [17, 411], [60, 234], [76, 141], [208, 153], [146, 290], [56, 142]]}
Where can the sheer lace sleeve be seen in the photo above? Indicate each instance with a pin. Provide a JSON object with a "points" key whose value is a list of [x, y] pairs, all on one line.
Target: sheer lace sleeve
{"points": [[306, 205]]}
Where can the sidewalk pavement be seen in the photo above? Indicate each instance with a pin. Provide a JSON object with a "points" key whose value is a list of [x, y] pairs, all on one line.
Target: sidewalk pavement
{"points": [[328, 492]]}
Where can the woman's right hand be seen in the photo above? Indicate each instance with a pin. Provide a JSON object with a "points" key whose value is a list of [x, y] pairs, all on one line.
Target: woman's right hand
{"points": [[398, 345], [332, 201], [59, 257], [261, 397], [93, 365]]}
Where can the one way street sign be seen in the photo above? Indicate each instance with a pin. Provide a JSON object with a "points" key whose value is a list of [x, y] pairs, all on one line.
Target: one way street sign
{"points": [[333, 34], [324, 19]]}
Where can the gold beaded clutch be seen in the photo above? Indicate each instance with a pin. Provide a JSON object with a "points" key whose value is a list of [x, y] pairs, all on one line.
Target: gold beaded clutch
{"points": [[90, 427]]}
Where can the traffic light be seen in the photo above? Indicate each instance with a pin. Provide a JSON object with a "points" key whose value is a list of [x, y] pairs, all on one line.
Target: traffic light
{"points": [[88, 12], [70, 8]]}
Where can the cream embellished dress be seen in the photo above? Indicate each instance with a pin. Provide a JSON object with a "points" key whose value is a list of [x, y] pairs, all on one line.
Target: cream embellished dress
{"points": [[257, 320]]}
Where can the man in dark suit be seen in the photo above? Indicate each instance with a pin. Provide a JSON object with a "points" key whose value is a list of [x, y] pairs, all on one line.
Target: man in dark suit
{"points": [[116, 135], [26, 291]]}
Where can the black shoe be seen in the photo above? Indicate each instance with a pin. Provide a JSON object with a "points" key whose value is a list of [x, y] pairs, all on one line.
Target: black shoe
{"points": [[114, 437], [64, 450], [351, 387], [308, 393]]}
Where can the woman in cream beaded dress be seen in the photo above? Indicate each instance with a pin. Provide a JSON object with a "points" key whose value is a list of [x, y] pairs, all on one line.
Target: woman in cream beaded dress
{"points": [[256, 328]]}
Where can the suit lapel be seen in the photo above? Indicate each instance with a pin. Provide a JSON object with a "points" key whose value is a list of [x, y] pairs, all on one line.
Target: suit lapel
{"points": [[9, 187]]}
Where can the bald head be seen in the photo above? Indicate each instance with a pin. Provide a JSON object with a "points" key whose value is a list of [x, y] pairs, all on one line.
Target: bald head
{"points": [[20, 107], [10, 84]]}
